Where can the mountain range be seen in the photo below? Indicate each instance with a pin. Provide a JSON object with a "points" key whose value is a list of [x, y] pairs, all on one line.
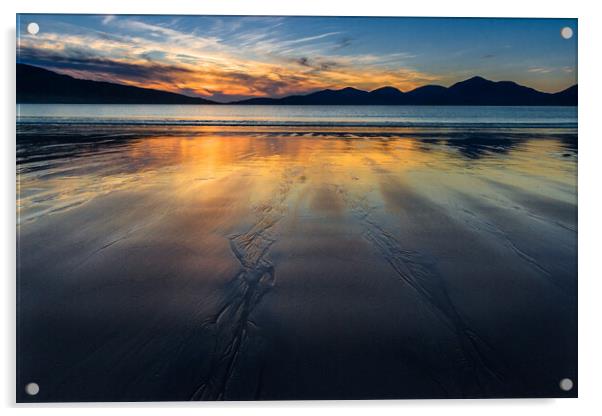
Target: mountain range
{"points": [[38, 85]]}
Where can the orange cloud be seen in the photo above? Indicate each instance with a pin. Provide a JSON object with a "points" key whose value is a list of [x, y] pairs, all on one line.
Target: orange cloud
{"points": [[194, 65]]}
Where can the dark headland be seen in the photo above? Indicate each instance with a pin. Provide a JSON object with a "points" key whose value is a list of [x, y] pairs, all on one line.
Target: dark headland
{"points": [[38, 85]]}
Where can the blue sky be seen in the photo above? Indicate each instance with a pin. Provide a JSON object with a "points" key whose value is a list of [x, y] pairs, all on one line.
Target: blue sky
{"points": [[231, 57]]}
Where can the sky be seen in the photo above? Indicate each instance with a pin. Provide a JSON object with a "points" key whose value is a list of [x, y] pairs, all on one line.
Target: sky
{"points": [[226, 58]]}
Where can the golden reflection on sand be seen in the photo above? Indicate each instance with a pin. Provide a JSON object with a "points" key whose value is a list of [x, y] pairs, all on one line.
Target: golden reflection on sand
{"points": [[182, 167]]}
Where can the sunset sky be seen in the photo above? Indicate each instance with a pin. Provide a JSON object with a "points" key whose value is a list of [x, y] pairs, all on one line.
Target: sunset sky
{"points": [[229, 57]]}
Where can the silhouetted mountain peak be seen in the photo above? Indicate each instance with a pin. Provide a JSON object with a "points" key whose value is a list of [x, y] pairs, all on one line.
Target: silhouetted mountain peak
{"points": [[340, 91], [430, 87], [386, 89], [386, 95], [475, 81], [477, 78]]}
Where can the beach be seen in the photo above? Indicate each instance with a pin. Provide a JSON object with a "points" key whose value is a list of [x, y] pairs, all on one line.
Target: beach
{"points": [[244, 263]]}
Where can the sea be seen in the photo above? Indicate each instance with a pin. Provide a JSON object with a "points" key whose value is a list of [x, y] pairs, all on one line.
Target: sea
{"points": [[219, 252]]}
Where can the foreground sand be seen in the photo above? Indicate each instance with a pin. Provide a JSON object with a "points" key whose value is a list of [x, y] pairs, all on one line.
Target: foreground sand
{"points": [[296, 265]]}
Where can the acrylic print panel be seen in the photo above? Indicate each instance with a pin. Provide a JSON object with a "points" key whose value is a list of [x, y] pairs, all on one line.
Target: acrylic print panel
{"points": [[267, 208]]}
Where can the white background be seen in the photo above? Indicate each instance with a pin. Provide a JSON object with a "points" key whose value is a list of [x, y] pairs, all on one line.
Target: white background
{"points": [[590, 160]]}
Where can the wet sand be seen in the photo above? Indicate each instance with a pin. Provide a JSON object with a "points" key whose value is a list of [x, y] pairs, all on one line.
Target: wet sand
{"points": [[241, 265]]}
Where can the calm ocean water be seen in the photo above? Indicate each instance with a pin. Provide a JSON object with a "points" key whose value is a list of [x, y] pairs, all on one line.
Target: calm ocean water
{"points": [[229, 115]]}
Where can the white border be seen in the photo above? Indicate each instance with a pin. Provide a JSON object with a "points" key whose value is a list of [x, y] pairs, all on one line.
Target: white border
{"points": [[590, 153]]}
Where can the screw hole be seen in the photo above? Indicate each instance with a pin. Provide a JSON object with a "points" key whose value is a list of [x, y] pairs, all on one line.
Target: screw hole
{"points": [[32, 389], [566, 384], [566, 32], [33, 28]]}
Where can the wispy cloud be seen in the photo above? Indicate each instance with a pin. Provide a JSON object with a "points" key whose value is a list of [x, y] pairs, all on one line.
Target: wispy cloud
{"points": [[540, 70], [309, 38], [255, 62]]}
